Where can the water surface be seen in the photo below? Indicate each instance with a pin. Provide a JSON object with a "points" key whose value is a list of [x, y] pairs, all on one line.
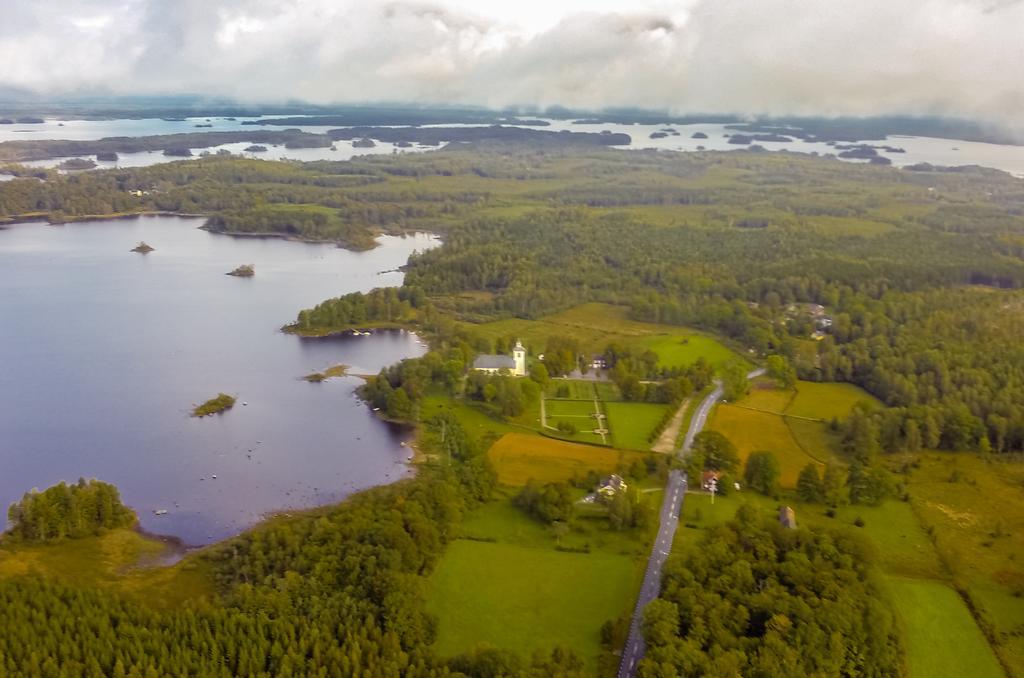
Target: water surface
{"points": [[105, 352]]}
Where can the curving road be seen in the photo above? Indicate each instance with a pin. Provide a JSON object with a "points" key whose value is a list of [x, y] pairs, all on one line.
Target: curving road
{"points": [[671, 507]]}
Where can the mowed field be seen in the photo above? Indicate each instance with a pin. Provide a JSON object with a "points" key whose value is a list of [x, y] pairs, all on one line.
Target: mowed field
{"points": [[518, 457], [631, 424], [527, 599], [941, 637]]}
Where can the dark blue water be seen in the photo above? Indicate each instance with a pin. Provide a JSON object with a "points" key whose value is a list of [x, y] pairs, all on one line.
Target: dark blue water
{"points": [[104, 352]]}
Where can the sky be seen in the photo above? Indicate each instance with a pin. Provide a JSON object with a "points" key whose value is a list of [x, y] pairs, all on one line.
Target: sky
{"points": [[956, 58]]}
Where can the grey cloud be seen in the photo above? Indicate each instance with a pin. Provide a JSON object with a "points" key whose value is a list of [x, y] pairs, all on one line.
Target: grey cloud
{"points": [[948, 57]]}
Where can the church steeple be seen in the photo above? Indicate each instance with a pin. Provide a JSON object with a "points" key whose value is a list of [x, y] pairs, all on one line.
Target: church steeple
{"points": [[519, 355]]}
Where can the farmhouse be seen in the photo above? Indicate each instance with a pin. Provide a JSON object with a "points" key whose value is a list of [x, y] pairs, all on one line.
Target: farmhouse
{"points": [[515, 364], [611, 486]]}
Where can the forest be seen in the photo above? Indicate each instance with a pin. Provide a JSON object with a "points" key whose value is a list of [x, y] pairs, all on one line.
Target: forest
{"points": [[756, 599]]}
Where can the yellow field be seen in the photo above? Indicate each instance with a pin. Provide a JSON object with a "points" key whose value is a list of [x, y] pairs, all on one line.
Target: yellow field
{"points": [[751, 431], [824, 401], [518, 457]]}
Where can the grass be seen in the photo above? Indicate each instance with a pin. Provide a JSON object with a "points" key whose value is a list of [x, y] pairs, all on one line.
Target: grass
{"points": [[504, 583], [752, 430], [518, 457], [682, 349], [975, 510], [828, 400], [631, 424], [214, 405], [525, 599], [940, 635], [121, 560]]}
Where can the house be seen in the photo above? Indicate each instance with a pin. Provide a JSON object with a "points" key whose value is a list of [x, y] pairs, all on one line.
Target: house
{"points": [[787, 517], [611, 486], [598, 362], [709, 478], [515, 364]]}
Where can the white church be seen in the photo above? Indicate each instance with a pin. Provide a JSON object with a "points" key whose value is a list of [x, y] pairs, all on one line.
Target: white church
{"points": [[492, 364]]}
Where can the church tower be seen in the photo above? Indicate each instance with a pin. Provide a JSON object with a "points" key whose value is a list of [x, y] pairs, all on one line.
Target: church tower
{"points": [[519, 355]]}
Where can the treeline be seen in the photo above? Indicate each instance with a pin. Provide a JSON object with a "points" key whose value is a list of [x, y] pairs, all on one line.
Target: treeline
{"points": [[754, 598], [68, 512], [382, 305]]}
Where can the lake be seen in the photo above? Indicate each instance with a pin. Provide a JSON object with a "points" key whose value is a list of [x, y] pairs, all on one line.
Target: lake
{"points": [[105, 352], [949, 152]]}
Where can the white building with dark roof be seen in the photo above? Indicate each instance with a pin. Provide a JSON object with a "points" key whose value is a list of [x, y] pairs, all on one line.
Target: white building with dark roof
{"points": [[515, 364]]}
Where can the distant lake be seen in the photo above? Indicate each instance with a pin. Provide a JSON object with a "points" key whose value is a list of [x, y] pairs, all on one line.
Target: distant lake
{"points": [[105, 351], [947, 152]]}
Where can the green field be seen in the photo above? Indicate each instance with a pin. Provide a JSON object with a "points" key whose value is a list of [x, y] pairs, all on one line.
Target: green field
{"points": [[516, 592], [941, 637], [680, 350], [975, 509], [631, 423]]}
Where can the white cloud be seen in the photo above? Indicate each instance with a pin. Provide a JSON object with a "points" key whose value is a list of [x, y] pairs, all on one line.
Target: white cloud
{"points": [[950, 57]]}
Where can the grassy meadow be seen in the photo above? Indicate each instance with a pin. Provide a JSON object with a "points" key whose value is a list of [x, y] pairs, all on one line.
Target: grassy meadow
{"points": [[506, 584], [631, 424], [122, 560]]}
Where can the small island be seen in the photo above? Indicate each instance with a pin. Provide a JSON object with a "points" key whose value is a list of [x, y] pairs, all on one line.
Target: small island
{"points": [[365, 142], [107, 156], [214, 405], [178, 152], [256, 148], [329, 373], [143, 248], [243, 271], [698, 135], [77, 164]]}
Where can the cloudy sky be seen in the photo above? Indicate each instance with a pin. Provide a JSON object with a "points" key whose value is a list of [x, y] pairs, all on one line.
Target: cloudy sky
{"points": [[948, 57]]}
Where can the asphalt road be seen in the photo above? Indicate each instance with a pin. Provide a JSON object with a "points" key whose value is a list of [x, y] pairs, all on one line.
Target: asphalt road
{"points": [[671, 507], [675, 490]]}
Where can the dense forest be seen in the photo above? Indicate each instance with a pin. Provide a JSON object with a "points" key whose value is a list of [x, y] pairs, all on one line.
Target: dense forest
{"points": [[68, 511], [756, 599]]}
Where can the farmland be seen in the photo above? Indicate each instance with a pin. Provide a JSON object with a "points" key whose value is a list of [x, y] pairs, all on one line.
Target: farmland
{"points": [[788, 422], [518, 457], [506, 584]]}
